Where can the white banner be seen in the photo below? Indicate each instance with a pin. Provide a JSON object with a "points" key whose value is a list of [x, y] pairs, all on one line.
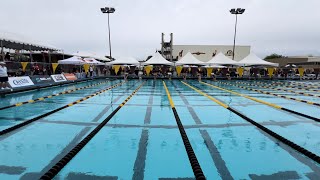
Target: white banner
{"points": [[20, 81], [58, 78]]}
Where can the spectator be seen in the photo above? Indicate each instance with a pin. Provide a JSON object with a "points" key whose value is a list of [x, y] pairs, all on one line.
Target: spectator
{"points": [[91, 71], [20, 72], [3, 76], [7, 57], [36, 69]]}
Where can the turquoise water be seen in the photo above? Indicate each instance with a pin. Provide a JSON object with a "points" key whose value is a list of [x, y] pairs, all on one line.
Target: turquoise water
{"points": [[142, 140]]}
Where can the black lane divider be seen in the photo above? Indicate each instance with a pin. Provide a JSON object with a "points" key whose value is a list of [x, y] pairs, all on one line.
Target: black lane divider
{"points": [[68, 157], [197, 171], [263, 102], [50, 96], [10, 129], [284, 140]]}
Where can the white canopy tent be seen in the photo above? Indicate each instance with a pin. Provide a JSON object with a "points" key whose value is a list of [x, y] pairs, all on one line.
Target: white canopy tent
{"points": [[214, 66], [157, 59], [93, 61], [75, 60], [84, 54], [101, 58], [189, 59], [124, 61], [221, 59], [253, 60]]}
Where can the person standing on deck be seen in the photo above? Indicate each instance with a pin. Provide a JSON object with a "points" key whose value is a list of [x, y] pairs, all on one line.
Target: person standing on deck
{"points": [[91, 71], [3, 76]]}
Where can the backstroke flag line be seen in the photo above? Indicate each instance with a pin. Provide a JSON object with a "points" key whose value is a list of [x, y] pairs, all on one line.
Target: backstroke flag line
{"points": [[270, 72], [54, 67], [179, 69], [86, 67], [116, 68], [24, 66], [148, 70], [209, 71], [240, 71]]}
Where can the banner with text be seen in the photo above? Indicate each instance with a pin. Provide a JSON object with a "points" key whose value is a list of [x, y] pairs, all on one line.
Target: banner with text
{"points": [[41, 79], [58, 78], [20, 81], [70, 77]]}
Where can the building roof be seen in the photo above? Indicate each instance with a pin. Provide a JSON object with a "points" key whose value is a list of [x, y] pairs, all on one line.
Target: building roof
{"points": [[20, 42]]}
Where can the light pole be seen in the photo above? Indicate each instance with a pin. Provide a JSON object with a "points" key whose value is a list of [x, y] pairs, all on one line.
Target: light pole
{"points": [[236, 12], [108, 10]]}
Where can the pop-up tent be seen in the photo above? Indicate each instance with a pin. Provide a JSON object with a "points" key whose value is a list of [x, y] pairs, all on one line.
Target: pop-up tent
{"points": [[221, 59], [84, 54], [189, 59], [75, 60], [101, 58], [124, 61], [93, 61], [157, 59], [253, 60]]}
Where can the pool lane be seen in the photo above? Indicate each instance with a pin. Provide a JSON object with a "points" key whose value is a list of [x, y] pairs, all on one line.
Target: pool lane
{"points": [[293, 84], [50, 96], [290, 122], [275, 106], [16, 115], [289, 104], [28, 95], [311, 99]]}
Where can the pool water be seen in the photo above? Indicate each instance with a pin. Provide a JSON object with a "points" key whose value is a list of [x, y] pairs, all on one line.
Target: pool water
{"points": [[142, 140]]}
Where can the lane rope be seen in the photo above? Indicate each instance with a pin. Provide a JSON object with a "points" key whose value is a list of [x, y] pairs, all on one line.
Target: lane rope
{"points": [[279, 89], [17, 126], [263, 102], [197, 171], [295, 84], [54, 170], [50, 96], [277, 95], [284, 140], [295, 87]]}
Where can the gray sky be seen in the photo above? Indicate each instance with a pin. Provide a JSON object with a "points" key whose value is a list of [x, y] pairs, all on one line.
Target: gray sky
{"points": [[289, 27]]}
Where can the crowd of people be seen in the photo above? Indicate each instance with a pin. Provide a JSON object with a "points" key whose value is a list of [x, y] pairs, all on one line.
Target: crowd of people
{"points": [[158, 71]]}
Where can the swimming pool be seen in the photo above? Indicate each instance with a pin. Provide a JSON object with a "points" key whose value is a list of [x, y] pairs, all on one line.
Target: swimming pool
{"points": [[142, 139]]}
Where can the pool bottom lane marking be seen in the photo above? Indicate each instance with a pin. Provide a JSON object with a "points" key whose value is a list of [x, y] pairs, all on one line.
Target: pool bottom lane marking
{"points": [[213, 150], [294, 146], [187, 104], [50, 96], [50, 174], [277, 95], [140, 162], [263, 102], [12, 128], [197, 171]]}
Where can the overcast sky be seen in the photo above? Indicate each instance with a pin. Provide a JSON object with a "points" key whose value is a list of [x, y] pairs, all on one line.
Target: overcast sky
{"points": [[288, 27]]}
